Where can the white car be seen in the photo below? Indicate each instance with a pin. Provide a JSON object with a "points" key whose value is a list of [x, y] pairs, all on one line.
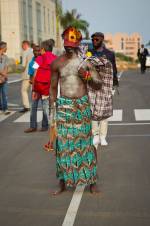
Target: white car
{"points": [[148, 61]]}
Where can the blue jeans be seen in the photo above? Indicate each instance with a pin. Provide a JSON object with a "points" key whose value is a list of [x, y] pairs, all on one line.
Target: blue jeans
{"points": [[3, 97], [33, 114]]}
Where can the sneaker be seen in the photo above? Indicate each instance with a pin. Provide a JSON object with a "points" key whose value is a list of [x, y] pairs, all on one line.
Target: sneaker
{"points": [[103, 141], [24, 110], [96, 140], [30, 130]]}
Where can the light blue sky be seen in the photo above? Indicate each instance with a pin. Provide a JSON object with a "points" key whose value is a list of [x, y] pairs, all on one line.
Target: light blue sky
{"points": [[114, 15]]}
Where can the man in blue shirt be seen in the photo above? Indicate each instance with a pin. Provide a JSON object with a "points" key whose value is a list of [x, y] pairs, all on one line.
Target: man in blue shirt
{"points": [[36, 52]]}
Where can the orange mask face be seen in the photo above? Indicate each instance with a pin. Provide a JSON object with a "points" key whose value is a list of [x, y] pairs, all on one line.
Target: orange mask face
{"points": [[72, 37]]}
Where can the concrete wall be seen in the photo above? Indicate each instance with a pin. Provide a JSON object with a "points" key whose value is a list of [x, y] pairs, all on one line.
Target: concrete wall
{"points": [[12, 23], [10, 26]]}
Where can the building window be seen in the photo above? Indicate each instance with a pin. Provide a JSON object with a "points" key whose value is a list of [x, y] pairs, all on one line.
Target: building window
{"points": [[24, 20], [38, 21], [30, 19], [122, 43], [139, 42], [48, 20], [53, 22], [44, 12]]}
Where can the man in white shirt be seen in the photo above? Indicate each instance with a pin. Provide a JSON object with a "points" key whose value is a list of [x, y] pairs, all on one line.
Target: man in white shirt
{"points": [[26, 58]]}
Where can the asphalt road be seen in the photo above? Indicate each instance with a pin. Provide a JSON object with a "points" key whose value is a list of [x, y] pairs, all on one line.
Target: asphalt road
{"points": [[27, 173]]}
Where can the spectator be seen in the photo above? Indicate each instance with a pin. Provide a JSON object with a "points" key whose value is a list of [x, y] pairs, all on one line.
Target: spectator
{"points": [[3, 78], [142, 54], [41, 86], [100, 128], [31, 70], [26, 58], [75, 153]]}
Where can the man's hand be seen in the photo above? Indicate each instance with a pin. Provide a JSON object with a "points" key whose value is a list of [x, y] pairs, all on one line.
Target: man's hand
{"points": [[115, 81]]}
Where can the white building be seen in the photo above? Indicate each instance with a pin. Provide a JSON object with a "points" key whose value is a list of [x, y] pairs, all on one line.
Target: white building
{"points": [[33, 20]]}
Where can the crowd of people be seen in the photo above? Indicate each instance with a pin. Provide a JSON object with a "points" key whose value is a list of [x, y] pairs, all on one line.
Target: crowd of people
{"points": [[82, 107]]}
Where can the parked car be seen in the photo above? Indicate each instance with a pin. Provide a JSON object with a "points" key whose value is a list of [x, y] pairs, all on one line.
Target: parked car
{"points": [[148, 61]]}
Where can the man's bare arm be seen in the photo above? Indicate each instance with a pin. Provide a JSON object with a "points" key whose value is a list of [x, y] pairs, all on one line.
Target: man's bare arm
{"points": [[4, 72], [54, 82]]}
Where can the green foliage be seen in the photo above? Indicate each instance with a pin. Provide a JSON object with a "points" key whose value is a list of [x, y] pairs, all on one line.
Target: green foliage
{"points": [[71, 18], [123, 57]]}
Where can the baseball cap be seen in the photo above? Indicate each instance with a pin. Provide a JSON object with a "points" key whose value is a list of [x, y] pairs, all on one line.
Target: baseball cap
{"points": [[98, 34]]}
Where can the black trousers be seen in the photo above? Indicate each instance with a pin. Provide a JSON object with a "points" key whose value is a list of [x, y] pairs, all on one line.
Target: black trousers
{"points": [[143, 65]]}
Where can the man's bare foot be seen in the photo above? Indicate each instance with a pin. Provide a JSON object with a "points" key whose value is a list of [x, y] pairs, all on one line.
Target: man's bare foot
{"points": [[61, 189], [94, 189]]}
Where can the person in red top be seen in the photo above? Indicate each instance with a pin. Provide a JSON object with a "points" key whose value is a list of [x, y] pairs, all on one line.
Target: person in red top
{"points": [[41, 86], [43, 74]]}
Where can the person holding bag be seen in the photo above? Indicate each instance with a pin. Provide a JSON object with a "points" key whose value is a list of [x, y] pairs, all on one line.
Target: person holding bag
{"points": [[101, 100]]}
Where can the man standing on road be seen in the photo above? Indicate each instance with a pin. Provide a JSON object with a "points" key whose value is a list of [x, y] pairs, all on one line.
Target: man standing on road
{"points": [[3, 78], [26, 58], [75, 152], [142, 54], [99, 50]]}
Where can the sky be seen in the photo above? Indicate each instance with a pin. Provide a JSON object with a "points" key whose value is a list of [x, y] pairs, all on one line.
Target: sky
{"points": [[112, 16]]}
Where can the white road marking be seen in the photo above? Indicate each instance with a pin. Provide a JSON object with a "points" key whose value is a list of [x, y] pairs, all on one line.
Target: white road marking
{"points": [[13, 105], [130, 135], [73, 207], [117, 116], [26, 117], [14, 81], [116, 119], [120, 74], [142, 114], [3, 117], [129, 124]]}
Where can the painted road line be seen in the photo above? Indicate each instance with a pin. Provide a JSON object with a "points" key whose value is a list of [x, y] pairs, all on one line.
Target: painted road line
{"points": [[130, 135], [117, 116], [116, 88], [14, 81], [3, 116], [120, 74], [129, 124], [142, 114], [26, 117], [13, 105], [74, 206]]}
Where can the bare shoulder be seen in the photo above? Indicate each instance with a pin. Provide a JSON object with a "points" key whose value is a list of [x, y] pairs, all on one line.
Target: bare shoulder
{"points": [[56, 63]]}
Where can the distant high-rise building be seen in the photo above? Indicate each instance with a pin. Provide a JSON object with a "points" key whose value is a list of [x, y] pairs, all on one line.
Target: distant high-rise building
{"points": [[33, 20], [124, 43]]}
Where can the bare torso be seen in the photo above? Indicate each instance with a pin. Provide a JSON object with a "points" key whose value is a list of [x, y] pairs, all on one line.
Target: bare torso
{"points": [[71, 85]]}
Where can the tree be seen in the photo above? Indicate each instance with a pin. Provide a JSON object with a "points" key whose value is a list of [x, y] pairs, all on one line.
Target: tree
{"points": [[69, 18], [59, 13]]}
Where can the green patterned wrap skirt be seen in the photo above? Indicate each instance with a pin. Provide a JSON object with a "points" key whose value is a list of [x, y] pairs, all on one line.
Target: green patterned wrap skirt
{"points": [[75, 153]]}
